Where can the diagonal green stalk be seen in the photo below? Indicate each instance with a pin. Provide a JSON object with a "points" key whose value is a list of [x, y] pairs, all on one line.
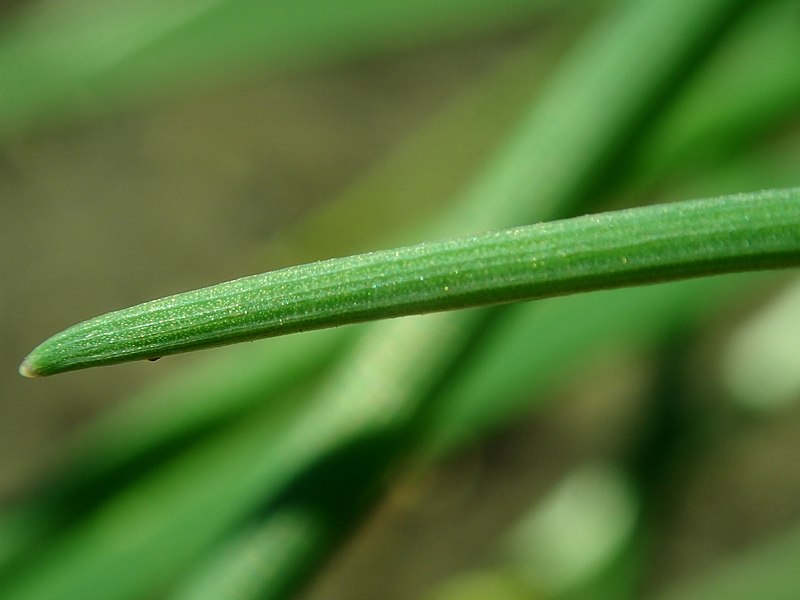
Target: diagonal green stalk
{"points": [[746, 88], [628, 247]]}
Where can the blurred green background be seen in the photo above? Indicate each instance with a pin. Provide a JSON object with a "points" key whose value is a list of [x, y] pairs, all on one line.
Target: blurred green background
{"points": [[623, 444]]}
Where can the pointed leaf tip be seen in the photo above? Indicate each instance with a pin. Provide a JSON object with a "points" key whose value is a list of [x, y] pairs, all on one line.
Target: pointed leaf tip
{"points": [[27, 370]]}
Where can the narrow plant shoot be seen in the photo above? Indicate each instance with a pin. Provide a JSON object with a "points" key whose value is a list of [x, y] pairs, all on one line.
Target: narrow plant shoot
{"points": [[623, 248]]}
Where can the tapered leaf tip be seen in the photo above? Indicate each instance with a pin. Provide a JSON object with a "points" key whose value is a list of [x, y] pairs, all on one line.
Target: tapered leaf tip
{"points": [[26, 369]]}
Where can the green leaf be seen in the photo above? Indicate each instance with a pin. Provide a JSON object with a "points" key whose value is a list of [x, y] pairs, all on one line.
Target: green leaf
{"points": [[630, 247]]}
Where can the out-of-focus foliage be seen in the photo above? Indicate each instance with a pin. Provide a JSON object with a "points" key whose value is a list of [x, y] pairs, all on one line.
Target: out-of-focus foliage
{"points": [[60, 60], [240, 473]]}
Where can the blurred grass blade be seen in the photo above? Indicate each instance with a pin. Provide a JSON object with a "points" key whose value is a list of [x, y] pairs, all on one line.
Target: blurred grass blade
{"points": [[748, 87], [286, 540], [59, 61], [505, 376], [189, 501], [311, 516], [605, 316], [622, 248], [615, 80], [720, 110], [162, 422]]}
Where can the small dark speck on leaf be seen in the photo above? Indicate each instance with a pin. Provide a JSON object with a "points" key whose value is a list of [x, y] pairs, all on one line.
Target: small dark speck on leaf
{"points": [[154, 359]]}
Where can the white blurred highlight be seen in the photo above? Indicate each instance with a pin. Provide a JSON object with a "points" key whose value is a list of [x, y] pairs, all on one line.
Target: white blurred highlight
{"points": [[761, 363], [578, 529]]}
